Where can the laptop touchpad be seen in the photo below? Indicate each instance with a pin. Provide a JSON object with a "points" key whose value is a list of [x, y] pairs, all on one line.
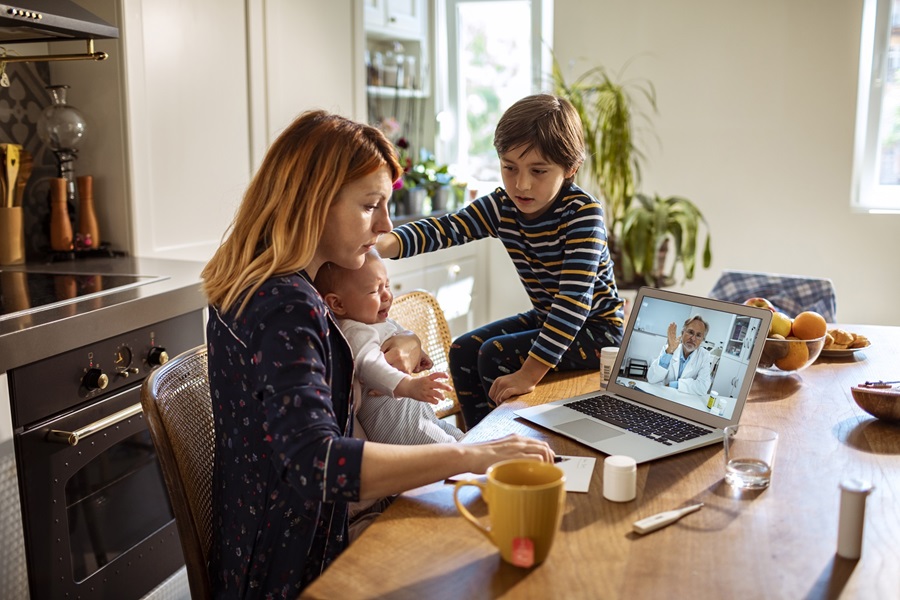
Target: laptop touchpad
{"points": [[588, 430]]}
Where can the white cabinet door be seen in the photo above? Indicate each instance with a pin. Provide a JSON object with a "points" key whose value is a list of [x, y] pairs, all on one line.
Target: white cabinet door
{"points": [[190, 99], [728, 375], [406, 16], [374, 12], [169, 144], [453, 284], [399, 19]]}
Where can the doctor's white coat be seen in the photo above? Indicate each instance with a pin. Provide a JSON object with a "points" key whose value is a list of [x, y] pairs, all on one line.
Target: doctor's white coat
{"points": [[697, 375]]}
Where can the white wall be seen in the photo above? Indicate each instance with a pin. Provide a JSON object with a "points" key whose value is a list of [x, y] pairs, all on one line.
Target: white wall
{"points": [[756, 117]]}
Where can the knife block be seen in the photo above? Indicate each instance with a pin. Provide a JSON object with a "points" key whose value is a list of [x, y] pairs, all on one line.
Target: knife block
{"points": [[12, 236]]}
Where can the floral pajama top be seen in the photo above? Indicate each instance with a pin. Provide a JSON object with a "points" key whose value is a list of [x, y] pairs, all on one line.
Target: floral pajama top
{"points": [[286, 465]]}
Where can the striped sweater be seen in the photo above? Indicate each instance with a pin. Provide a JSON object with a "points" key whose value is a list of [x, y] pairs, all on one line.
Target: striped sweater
{"points": [[562, 259]]}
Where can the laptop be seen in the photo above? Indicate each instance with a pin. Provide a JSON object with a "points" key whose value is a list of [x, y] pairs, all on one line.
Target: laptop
{"points": [[640, 414]]}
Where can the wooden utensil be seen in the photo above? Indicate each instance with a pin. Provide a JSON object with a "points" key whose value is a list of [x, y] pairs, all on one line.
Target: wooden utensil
{"points": [[26, 162], [12, 172]]}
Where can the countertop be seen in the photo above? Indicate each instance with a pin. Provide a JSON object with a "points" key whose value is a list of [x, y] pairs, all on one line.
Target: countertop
{"points": [[35, 335]]}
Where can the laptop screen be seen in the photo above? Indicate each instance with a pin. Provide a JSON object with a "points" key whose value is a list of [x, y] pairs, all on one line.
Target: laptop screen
{"points": [[696, 353]]}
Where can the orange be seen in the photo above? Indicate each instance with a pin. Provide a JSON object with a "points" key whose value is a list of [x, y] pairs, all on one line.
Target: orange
{"points": [[796, 356], [809, 325]]}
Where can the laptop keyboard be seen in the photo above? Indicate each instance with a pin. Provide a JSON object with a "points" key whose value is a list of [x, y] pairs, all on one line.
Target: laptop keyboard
{"points": [[637, 419]]}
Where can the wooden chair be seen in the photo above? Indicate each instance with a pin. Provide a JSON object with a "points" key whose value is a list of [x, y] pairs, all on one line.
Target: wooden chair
{"points": [[177, 405], [420, 312]]}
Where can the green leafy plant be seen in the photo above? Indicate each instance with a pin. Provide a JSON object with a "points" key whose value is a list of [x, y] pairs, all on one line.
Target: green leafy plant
{"points": [[641, 230], [608, 111], [427, 173], [654, 227]]}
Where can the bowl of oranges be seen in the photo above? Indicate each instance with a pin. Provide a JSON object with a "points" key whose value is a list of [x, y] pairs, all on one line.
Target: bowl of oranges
{"points": [[792, 344]]}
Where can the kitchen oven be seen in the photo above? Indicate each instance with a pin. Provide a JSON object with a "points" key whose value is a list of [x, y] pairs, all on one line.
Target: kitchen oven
{"points": [[96, 517]]}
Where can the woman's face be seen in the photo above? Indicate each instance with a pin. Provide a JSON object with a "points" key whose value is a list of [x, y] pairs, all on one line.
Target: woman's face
{"points": [[357, 217]]}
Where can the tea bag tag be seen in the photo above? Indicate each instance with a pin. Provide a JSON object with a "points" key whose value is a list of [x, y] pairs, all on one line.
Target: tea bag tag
{"points": [[523, 552]]}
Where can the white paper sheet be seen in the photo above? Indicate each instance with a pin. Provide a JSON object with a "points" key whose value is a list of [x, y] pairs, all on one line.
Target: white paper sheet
{"points": [[578, 470]]}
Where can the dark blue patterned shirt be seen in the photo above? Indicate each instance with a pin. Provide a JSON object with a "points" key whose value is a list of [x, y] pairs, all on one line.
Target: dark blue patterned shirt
{"points": [[286, 465]]}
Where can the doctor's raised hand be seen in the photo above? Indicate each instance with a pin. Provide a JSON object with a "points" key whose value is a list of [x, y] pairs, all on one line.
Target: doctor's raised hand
{"points": [[673, 338]]}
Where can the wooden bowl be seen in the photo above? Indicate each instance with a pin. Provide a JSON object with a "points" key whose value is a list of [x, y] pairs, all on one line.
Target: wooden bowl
{"points": [[883, 403]]}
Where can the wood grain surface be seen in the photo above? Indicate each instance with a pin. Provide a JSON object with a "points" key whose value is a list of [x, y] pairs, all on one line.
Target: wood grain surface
{"points": [[776, 543]]}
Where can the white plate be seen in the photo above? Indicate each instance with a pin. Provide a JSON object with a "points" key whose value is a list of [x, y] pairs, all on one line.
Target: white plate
{"points": [[837, 352]]}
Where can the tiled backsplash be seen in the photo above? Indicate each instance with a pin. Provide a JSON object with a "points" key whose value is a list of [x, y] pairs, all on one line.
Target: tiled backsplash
{"points": [[20, 107]]}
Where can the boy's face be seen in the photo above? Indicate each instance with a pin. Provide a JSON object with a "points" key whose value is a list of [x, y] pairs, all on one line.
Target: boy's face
{"points": [[365, 295], [531, 181]]}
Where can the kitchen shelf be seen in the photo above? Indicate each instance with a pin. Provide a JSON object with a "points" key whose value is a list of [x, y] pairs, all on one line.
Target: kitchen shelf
{"points": [[391, 92]]}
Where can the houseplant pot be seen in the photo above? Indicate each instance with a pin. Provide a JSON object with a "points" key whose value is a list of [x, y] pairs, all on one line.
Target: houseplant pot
{"points": [[652, 228]]}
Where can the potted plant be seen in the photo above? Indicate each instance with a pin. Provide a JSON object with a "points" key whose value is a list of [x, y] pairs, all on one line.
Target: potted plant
{"points": [[433, 179], [607, 110], [652, 228], [639, 228]]}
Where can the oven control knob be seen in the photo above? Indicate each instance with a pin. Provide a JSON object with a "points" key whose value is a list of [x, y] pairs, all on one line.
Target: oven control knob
{"points": [[157, 356], [95, 379]]}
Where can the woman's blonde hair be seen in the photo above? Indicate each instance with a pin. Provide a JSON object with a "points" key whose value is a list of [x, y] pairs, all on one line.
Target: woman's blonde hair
{"points": [[281, 218]]}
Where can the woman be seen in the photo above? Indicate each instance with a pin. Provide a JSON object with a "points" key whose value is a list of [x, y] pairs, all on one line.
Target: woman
{"points": [[286, 463]]}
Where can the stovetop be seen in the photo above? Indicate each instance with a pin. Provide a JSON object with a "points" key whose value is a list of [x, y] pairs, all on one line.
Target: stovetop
{"points": [[22, 292]]}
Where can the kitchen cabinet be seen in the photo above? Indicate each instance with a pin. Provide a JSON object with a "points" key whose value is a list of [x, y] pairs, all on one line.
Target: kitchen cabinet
{"points": [[181, 114], [456, 276], [397, 18], [729, 374], [397, 60]]}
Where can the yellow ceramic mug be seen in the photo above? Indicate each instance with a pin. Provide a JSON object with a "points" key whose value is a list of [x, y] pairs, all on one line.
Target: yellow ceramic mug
{"points": [[526, 500]]}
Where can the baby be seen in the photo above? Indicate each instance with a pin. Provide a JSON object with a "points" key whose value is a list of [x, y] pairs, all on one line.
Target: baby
{"points": [[361, 300]]}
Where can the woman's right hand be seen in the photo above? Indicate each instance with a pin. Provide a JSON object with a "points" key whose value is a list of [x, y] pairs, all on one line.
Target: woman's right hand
{"points": [[482, 455]]}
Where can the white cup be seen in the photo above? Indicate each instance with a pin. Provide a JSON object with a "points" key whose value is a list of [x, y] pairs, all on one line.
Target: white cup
{"points": [[607, 361]]}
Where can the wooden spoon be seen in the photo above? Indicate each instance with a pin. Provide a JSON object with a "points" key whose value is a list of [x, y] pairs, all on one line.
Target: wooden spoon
{"points": [[26, 162], [12, 172]]}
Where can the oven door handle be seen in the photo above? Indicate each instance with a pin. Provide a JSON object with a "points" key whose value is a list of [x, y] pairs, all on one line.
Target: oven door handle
{"points": [[73, 437]]}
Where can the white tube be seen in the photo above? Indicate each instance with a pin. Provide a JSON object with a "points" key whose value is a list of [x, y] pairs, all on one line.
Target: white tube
{"points": [[852, 517]]}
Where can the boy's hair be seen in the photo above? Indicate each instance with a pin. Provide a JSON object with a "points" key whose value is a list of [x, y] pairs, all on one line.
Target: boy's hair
{"points": [[547, 123]]}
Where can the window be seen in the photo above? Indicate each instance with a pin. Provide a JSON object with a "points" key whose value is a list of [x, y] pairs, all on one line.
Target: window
{"points": [[494, 53], [876, 153]]}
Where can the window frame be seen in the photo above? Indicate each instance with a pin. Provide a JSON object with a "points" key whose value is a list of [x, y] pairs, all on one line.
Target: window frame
{"points": [[867, 195], [448, 92]]}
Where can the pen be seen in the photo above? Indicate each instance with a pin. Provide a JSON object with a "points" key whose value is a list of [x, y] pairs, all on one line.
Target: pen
{"points": [[559, 459]]}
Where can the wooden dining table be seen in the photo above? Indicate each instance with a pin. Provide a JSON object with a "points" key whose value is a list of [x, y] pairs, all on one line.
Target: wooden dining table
{"points": [[776, 543]]}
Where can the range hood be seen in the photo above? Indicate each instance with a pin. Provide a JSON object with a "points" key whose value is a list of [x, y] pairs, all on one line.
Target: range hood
{"points": [[50, 20]]}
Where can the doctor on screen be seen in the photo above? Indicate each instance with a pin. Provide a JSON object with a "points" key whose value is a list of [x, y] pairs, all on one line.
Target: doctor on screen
{"points": [[684, 365]]}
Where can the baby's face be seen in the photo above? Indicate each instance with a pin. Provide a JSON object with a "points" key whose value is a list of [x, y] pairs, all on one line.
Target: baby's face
{"points": [[366, 294]]}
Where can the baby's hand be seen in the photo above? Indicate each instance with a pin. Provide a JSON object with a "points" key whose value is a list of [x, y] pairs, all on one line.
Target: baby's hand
{"points": [[428, 388], [425, 363]]}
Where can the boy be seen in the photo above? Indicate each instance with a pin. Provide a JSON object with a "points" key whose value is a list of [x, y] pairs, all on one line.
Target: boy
{"points": [[361, 300], [555, 235]]}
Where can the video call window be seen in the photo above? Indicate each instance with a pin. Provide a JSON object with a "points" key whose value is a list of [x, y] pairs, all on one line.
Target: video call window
{"points": [[705, 360]]}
